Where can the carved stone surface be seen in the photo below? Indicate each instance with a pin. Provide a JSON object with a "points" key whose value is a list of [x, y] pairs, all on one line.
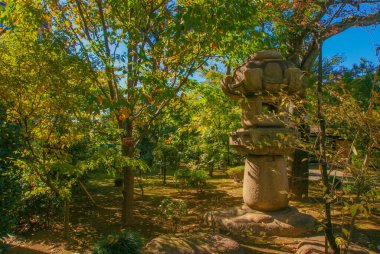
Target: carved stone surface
{"points": [[266, 54], [265, 183], [252, 114], [266, 73]]}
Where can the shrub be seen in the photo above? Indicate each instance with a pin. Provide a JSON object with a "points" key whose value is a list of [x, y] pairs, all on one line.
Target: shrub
{"points": [[236, 173], [10, 184], [198, 180], [192, 178], [10, 199], [125, 243], [36, 211], [181, 177], [173, 210]]}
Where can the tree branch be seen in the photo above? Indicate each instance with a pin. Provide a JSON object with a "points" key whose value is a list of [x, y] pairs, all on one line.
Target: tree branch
{"points": [[371, 19]]}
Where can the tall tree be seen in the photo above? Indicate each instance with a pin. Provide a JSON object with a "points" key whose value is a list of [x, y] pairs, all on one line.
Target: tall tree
{"points": [[142, 53], [47, 100]]}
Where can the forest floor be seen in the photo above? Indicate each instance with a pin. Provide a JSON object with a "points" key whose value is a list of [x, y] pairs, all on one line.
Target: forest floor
{"points": [[90, 223]]}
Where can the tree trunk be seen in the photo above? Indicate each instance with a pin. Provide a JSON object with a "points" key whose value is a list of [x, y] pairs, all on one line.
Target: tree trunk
{"points": [[228, 154], [128, 188], [141, 183], [66, 218], [128, 183], [164, 179]]}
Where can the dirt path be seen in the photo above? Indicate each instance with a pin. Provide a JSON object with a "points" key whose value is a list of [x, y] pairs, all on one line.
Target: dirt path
{"points": [[91, 224]]}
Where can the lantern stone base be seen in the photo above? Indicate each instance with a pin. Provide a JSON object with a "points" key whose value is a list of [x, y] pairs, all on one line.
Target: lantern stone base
{"points": [[243, 220]]}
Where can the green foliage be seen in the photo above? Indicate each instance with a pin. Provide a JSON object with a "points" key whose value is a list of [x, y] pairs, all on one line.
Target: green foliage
{"points": [[349, 108], [359, 188], [198, 180], [10, 186], [173, 210], [125, 243], [37, 210], [3, 246], [110, 158], [191, 178], [198, 124], [181, 177], [236, 173], [166, 157]]}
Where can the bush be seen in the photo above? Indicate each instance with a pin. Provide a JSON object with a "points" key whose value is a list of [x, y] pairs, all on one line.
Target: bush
{"points": [[125, 243], [181, 177], [192, 178], [10, 199], [173, 210], [37, 211], [10, 184], [198, 180], [236, 173]]}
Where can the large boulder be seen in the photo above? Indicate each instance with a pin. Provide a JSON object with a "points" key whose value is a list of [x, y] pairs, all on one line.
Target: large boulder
{"points": [[200, 243]]}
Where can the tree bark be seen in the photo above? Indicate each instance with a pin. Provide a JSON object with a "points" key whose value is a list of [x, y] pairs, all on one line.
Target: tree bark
{"points": [[66, 218], [128, 184], [211, 171], [164, 179], [128, 190]]}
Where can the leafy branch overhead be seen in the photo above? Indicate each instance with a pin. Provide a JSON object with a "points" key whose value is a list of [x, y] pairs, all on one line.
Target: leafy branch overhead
{"points": [[298, 26]]}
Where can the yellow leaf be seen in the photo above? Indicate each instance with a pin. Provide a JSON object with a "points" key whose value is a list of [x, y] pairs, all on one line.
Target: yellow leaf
{"points": [[354, 150]]}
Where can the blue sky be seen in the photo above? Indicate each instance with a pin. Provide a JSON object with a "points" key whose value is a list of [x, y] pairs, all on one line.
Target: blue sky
{"points": [[353, 44]]}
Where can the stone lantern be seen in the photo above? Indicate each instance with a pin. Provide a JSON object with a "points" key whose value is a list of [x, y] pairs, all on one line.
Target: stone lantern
{"points": [[262, 85], [259, 84]]}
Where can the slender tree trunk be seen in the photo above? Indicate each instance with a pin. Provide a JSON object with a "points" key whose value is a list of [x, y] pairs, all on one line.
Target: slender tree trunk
{"points": [[228, 153], [164, 171], [141, 183], [329, 234], [128, 202], [128, 184], [66, 218]]}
